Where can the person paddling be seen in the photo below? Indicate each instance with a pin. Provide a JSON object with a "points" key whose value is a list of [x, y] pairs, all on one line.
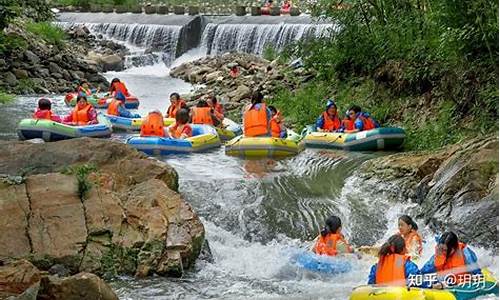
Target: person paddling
{"points": [[331, 242]]}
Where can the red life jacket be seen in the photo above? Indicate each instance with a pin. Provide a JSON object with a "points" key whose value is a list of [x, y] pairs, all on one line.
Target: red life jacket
{"points": [[42, 114], [113, 108], [455, 264], [201, 115], [172, 109], [368, 122], [178, 130], [255, 121], [152, 125], [348, 124], [81, 116], [120, 87], [391, 270], [327, 245], [219, 111], [330, 124]]}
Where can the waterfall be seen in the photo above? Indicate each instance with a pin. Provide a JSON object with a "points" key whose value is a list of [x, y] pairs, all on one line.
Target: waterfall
{"points": [[254, 38]]}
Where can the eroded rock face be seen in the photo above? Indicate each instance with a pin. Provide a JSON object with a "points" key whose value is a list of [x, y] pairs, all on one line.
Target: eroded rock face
{"points": [[456, 188], [96, 206]]}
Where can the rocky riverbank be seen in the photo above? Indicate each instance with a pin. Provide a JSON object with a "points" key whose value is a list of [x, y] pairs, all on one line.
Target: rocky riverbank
{"points": [[456, 188], [255, 73], [36, 66], [88, 205]]}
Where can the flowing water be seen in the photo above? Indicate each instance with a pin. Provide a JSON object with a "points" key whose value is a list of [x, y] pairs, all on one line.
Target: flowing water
{"points": [[257, 213]]}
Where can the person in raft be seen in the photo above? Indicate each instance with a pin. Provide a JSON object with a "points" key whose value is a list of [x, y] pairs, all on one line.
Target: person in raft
{"points": [[203, 114], [218, 109], [329, 120], [360, 120], [452, 261], [44, 112], [152, 125], [266, 9], [331, 242], [413, 240], [278, 129], [83, 113], [176, 103], [181, 129], [393, 267], [117, 107], [257, 118], [285, 7], [117, 86]]}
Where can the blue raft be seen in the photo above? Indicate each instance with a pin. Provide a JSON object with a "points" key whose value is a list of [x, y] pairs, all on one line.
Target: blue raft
{"points": [[322, 264], [204, 138]]}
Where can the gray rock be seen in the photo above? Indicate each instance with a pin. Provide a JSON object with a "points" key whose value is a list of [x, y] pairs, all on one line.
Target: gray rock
{"points": [[57, 75], [31, 57], [20, 73], [66, 75], [10, 79], [240, 93], [43, 72], [54, 68], [3, 64], [78, 74], [112, 63]]}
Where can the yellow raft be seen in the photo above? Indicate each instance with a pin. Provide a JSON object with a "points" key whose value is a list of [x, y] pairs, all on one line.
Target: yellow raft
{"points": [[254, 147], [471, 291]]}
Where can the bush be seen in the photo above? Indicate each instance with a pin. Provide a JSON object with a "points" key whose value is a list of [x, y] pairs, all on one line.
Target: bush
{"points": [[4, 97], [10, 44], [47, 31]]}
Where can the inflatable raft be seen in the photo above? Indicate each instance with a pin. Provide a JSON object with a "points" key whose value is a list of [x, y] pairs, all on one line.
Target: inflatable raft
{"points": [[204, 138], [462, 292], [262, 147], [230, 129], [132, 124], [97, 101], [323, 264], [384, 138], [52, 131]]}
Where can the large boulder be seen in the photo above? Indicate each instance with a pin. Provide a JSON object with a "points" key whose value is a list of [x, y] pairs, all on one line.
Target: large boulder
{"points": [[16, 277], [112, 63], [242, 92], [455, 188], [94, 206], [82, 286]]}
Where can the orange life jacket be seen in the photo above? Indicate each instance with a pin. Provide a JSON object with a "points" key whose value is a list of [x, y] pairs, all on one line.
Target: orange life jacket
{"points": [[368, 122], [177, 130], [120, 87], [255, 121], [113, 108], [453, 265], [410, 237], [391, 270], [348, 124], [43, 114], [219, 111], [327, 245], [81, 116], [330, 124], [201, 115], [275, 126], [172, 109], [152, 125]]}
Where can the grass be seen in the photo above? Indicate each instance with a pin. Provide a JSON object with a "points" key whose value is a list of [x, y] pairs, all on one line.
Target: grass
{"points": [[81, 172], [5, 97], [48, 32]]}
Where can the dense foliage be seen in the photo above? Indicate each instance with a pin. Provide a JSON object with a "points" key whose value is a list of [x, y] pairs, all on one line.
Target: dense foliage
{"points": [[428, 65]]}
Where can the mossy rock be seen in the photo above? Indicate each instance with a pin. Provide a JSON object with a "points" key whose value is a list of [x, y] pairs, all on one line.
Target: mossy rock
{"points": [[179, 10], [136, 9], [240, 10], [107, 9], [275, 11], [162, 10], [95, 8], [150, 9], [255, 11], [84, 9], [194, 10], [121, 9], [294, 11]]}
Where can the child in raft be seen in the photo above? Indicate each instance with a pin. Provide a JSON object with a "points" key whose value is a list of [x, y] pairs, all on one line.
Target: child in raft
{"points": [[331, 242], [181, 129], [393, 267], [83, 113], [216, 106], [278, 129], [44, 112], [413, 241]]}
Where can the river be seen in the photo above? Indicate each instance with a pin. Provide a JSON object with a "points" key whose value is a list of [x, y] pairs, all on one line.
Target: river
{"points": [[257, 213]]}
